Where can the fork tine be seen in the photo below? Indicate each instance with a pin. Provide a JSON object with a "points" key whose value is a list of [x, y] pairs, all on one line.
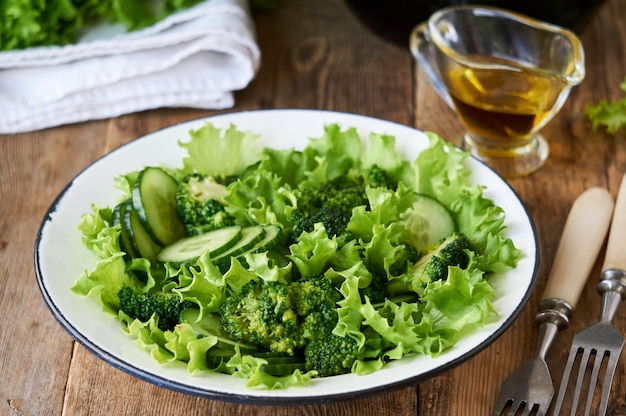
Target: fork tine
{"points": [[565, 380], [514, 409], [507, 403], [541, 411], [593, 381], [582, 369], [608, 381], [507, 407], [499, 407], [527, 410], [517, 407], [533, 407]]}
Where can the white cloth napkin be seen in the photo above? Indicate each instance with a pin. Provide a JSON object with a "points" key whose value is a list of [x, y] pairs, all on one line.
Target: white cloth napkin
{"points": [[195, 58]]}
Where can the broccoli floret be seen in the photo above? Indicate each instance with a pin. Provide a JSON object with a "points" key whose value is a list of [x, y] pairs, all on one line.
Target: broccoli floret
{"points": [[434, 269], [334, 218], [199, 202], [261, 314], [315, 302], [331, 355], [143, 305], [330, 203], [406, 257], [376, 291], [377, 177], [450, 252], [453, 252], [279, 317], [434, 265]]}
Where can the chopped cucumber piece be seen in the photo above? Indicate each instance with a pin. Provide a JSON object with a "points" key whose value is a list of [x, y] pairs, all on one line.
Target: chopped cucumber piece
{"points": [[140, 242], [269, 240], [250, 236], [126, 244], [280, 370], [116, 219], [270, 355], [217, 358], [293, 359], [216, 354], [428, 221], [154, 199], [188, 249]]}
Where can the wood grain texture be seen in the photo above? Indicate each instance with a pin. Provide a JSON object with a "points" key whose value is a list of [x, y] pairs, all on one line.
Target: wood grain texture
{"points": [[315, 55]]}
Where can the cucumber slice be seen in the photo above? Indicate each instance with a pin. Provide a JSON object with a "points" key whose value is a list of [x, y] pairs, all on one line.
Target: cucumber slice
{"points": [[140, 242], [280, 370], [269, 240], [126, 244], [292, 359], [250, 236], [188, 249], [216, 354], [428, 221], [116, 219], [270, 355], [154, 199], [217, 358]]}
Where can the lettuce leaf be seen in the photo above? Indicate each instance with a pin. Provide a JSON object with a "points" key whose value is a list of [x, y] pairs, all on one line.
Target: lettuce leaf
{"points": [[260, 199], [341, 150], [25, 23], [611, 115], [314, 252], [291, 166], [109, 274], [29, 23], [214, 152]]}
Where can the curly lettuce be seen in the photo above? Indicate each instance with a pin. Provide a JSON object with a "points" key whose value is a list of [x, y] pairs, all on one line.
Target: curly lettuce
{"points": [[31, 23], [611, 115]]}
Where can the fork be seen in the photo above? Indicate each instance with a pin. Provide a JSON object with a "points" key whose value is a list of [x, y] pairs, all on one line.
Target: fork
{"points": [[529, 389], [601, 342]]}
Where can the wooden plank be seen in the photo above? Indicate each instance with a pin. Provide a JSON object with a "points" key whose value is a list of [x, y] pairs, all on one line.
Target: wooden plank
{"points": [[35, 353]]}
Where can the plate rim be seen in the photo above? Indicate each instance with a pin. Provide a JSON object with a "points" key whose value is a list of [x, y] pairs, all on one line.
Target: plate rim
{"points": [[272, 399]]}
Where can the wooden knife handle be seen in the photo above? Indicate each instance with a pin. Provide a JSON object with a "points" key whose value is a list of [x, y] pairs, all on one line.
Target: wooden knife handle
{"points": [[583, 235], [616, 247]]}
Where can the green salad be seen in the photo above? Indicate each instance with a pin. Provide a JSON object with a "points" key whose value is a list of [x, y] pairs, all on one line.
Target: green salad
{"points": [[31, 23], [282, 266]]}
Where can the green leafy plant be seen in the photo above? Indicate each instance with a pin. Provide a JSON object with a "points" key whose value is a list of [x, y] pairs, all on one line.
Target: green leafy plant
{"points": [[610, 115], [29, 23]]}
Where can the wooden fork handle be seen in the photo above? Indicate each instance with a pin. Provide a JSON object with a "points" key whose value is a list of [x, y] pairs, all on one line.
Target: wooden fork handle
{"points": [[583, 235], [616, 246]]}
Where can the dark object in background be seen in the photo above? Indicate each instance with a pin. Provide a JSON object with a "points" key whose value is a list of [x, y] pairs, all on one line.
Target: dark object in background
{"points": [[393, 20]]}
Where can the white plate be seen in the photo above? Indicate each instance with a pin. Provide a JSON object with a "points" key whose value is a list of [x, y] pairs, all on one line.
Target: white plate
{"points": [[60, 257]]}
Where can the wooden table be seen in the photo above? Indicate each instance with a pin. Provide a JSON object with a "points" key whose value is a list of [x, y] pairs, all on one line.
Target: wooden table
{"points": [[315, 55]]}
